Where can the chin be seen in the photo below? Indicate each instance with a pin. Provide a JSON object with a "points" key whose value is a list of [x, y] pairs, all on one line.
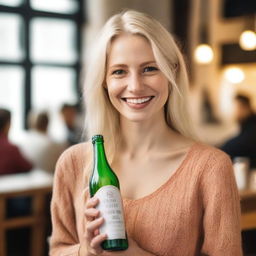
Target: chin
{"points": [[136, 118]]}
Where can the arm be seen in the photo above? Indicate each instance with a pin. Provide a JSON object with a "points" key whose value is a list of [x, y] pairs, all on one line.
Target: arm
{"points": [[221, 220], [64, 239]]}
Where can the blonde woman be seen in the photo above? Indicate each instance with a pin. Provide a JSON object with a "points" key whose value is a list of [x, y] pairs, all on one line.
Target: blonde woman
{"points": [[180, 196]]}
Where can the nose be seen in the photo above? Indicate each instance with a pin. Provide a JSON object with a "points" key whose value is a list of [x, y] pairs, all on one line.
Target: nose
{"points": [[135, 83]]}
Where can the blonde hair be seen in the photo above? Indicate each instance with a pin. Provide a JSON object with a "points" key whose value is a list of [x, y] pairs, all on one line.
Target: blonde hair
{"points": [[101, 116]]}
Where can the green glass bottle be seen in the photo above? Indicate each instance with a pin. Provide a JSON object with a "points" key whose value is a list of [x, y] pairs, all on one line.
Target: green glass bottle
{"points": [[104, 185]]}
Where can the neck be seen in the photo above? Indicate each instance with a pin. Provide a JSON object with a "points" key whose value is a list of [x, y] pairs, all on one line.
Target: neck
{"points": [[139, 138]]}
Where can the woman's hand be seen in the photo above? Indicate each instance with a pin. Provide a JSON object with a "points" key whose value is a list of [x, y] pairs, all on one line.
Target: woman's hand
{"points": [[92, 238]]}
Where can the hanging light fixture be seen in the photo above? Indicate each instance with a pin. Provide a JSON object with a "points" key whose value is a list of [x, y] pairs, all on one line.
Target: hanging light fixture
{"points": [[203, 53], [234, 75], [247, 40]]}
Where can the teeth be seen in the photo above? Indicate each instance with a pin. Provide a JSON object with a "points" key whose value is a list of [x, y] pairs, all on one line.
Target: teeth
{"points": [[138, 101]]}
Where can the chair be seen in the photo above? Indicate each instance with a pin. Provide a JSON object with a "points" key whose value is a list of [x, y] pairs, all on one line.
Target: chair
{"points": [[36, 184], [248, 209]]}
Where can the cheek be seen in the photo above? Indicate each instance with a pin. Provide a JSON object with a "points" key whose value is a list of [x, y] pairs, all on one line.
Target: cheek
{"points": [[114, 89], [162, 86]]}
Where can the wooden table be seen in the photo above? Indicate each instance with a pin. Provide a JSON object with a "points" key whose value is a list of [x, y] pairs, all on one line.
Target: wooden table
{"points": [[248, 209], [37, 184]]}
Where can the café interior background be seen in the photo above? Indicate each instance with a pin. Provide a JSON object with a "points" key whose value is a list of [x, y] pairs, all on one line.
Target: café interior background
{"points": [[44, 45]]}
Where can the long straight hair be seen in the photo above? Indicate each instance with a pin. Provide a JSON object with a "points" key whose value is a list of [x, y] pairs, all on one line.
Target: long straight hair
{"points": [[101, 116]]}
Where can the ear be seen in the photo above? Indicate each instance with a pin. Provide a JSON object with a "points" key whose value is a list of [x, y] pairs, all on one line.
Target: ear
{"points": [[170, 88], [104, 83], [105, 86], [175, 66]]}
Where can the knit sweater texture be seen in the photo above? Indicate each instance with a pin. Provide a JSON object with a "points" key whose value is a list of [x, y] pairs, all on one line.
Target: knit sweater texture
{"points": [[195, 212]]}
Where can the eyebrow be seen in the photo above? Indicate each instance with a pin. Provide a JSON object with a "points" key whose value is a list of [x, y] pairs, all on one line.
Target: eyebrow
{"points": [[141, 65]]}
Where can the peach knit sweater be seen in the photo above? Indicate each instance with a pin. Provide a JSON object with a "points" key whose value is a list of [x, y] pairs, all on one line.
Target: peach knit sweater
{"points": [[195, 212]]}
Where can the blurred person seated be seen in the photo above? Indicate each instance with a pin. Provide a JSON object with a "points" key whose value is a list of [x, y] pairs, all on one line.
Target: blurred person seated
{"points": [[243, 144], [37, 146], [13, 162], [11, 159], [70, 117]]}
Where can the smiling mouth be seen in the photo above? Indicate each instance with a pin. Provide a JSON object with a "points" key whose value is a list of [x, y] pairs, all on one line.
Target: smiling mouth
{"points": [[138, 100]]}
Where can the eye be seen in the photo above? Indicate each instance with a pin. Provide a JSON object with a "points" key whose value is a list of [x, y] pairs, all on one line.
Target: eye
{"points": [[150, 69], [118, 72]]}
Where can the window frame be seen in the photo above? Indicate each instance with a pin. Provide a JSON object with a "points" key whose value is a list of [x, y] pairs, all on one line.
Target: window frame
{"points": [[28, 13]]}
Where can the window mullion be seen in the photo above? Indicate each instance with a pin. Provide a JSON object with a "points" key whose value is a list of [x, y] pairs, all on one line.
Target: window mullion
{"points": [[27, 62]]}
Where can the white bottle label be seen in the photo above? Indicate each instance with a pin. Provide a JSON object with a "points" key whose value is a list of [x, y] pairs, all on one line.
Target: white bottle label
{"points": [[111, 209]]}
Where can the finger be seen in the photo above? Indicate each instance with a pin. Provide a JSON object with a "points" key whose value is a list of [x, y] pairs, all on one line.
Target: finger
{"points": [[96, 241], [91, 226], [85, 193], [91, 214], [96, 232], [92, 202]]}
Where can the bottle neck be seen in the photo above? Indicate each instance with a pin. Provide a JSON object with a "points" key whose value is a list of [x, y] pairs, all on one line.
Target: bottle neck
{"points": [[99, 155]]}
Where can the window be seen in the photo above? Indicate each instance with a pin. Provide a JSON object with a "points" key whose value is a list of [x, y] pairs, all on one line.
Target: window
{"points": [[11, 90], [53, 40], [11, 28], [59, 6], [11, 2], [40, 53]]}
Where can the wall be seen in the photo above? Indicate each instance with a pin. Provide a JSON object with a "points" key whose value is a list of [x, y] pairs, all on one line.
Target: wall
{"points": [[211, 76], [98, 11]]}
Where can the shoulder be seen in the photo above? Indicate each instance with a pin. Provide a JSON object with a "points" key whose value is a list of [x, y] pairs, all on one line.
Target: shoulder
{"points": [[215, 167], [11, 148], [74, 159], [207, 153], [206, 158]]}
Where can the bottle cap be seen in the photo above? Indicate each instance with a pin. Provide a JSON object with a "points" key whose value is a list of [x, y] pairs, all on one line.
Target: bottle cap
{"points": [[97, 138]]}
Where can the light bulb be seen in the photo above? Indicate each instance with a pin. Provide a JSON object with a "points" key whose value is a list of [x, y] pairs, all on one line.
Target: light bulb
{"points": [[234, 75], [247, 40], [203, 54]]}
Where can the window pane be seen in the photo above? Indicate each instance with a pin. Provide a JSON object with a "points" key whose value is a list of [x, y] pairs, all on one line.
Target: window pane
{"points": [[51, 88], [61, 6], [11, 27], [11, 96], [53, 40], [11, 2]]}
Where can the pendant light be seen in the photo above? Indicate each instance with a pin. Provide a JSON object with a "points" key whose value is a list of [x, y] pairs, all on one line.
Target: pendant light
{"points": [[247, 40], [203, 53]]}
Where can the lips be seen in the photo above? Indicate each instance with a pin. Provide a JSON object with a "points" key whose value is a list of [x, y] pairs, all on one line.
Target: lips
{"points": [[138, 102]]}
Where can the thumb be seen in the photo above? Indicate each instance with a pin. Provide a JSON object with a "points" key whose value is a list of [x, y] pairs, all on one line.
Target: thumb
{"points": [[85, 193]]}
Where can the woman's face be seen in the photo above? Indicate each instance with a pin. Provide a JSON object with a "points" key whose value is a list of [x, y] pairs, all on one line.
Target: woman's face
{"points": [[136, 86]]}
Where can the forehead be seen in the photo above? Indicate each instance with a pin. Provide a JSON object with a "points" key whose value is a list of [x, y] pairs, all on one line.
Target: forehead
{"points": [[129, 47]]}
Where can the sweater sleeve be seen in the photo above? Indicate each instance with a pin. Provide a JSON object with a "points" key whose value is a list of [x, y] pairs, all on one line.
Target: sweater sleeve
{"points": [[221, 219], [64, 240]]}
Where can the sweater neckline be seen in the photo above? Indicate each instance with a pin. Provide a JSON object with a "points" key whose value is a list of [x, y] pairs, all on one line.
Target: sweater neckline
{"points": [[169, 180]]}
